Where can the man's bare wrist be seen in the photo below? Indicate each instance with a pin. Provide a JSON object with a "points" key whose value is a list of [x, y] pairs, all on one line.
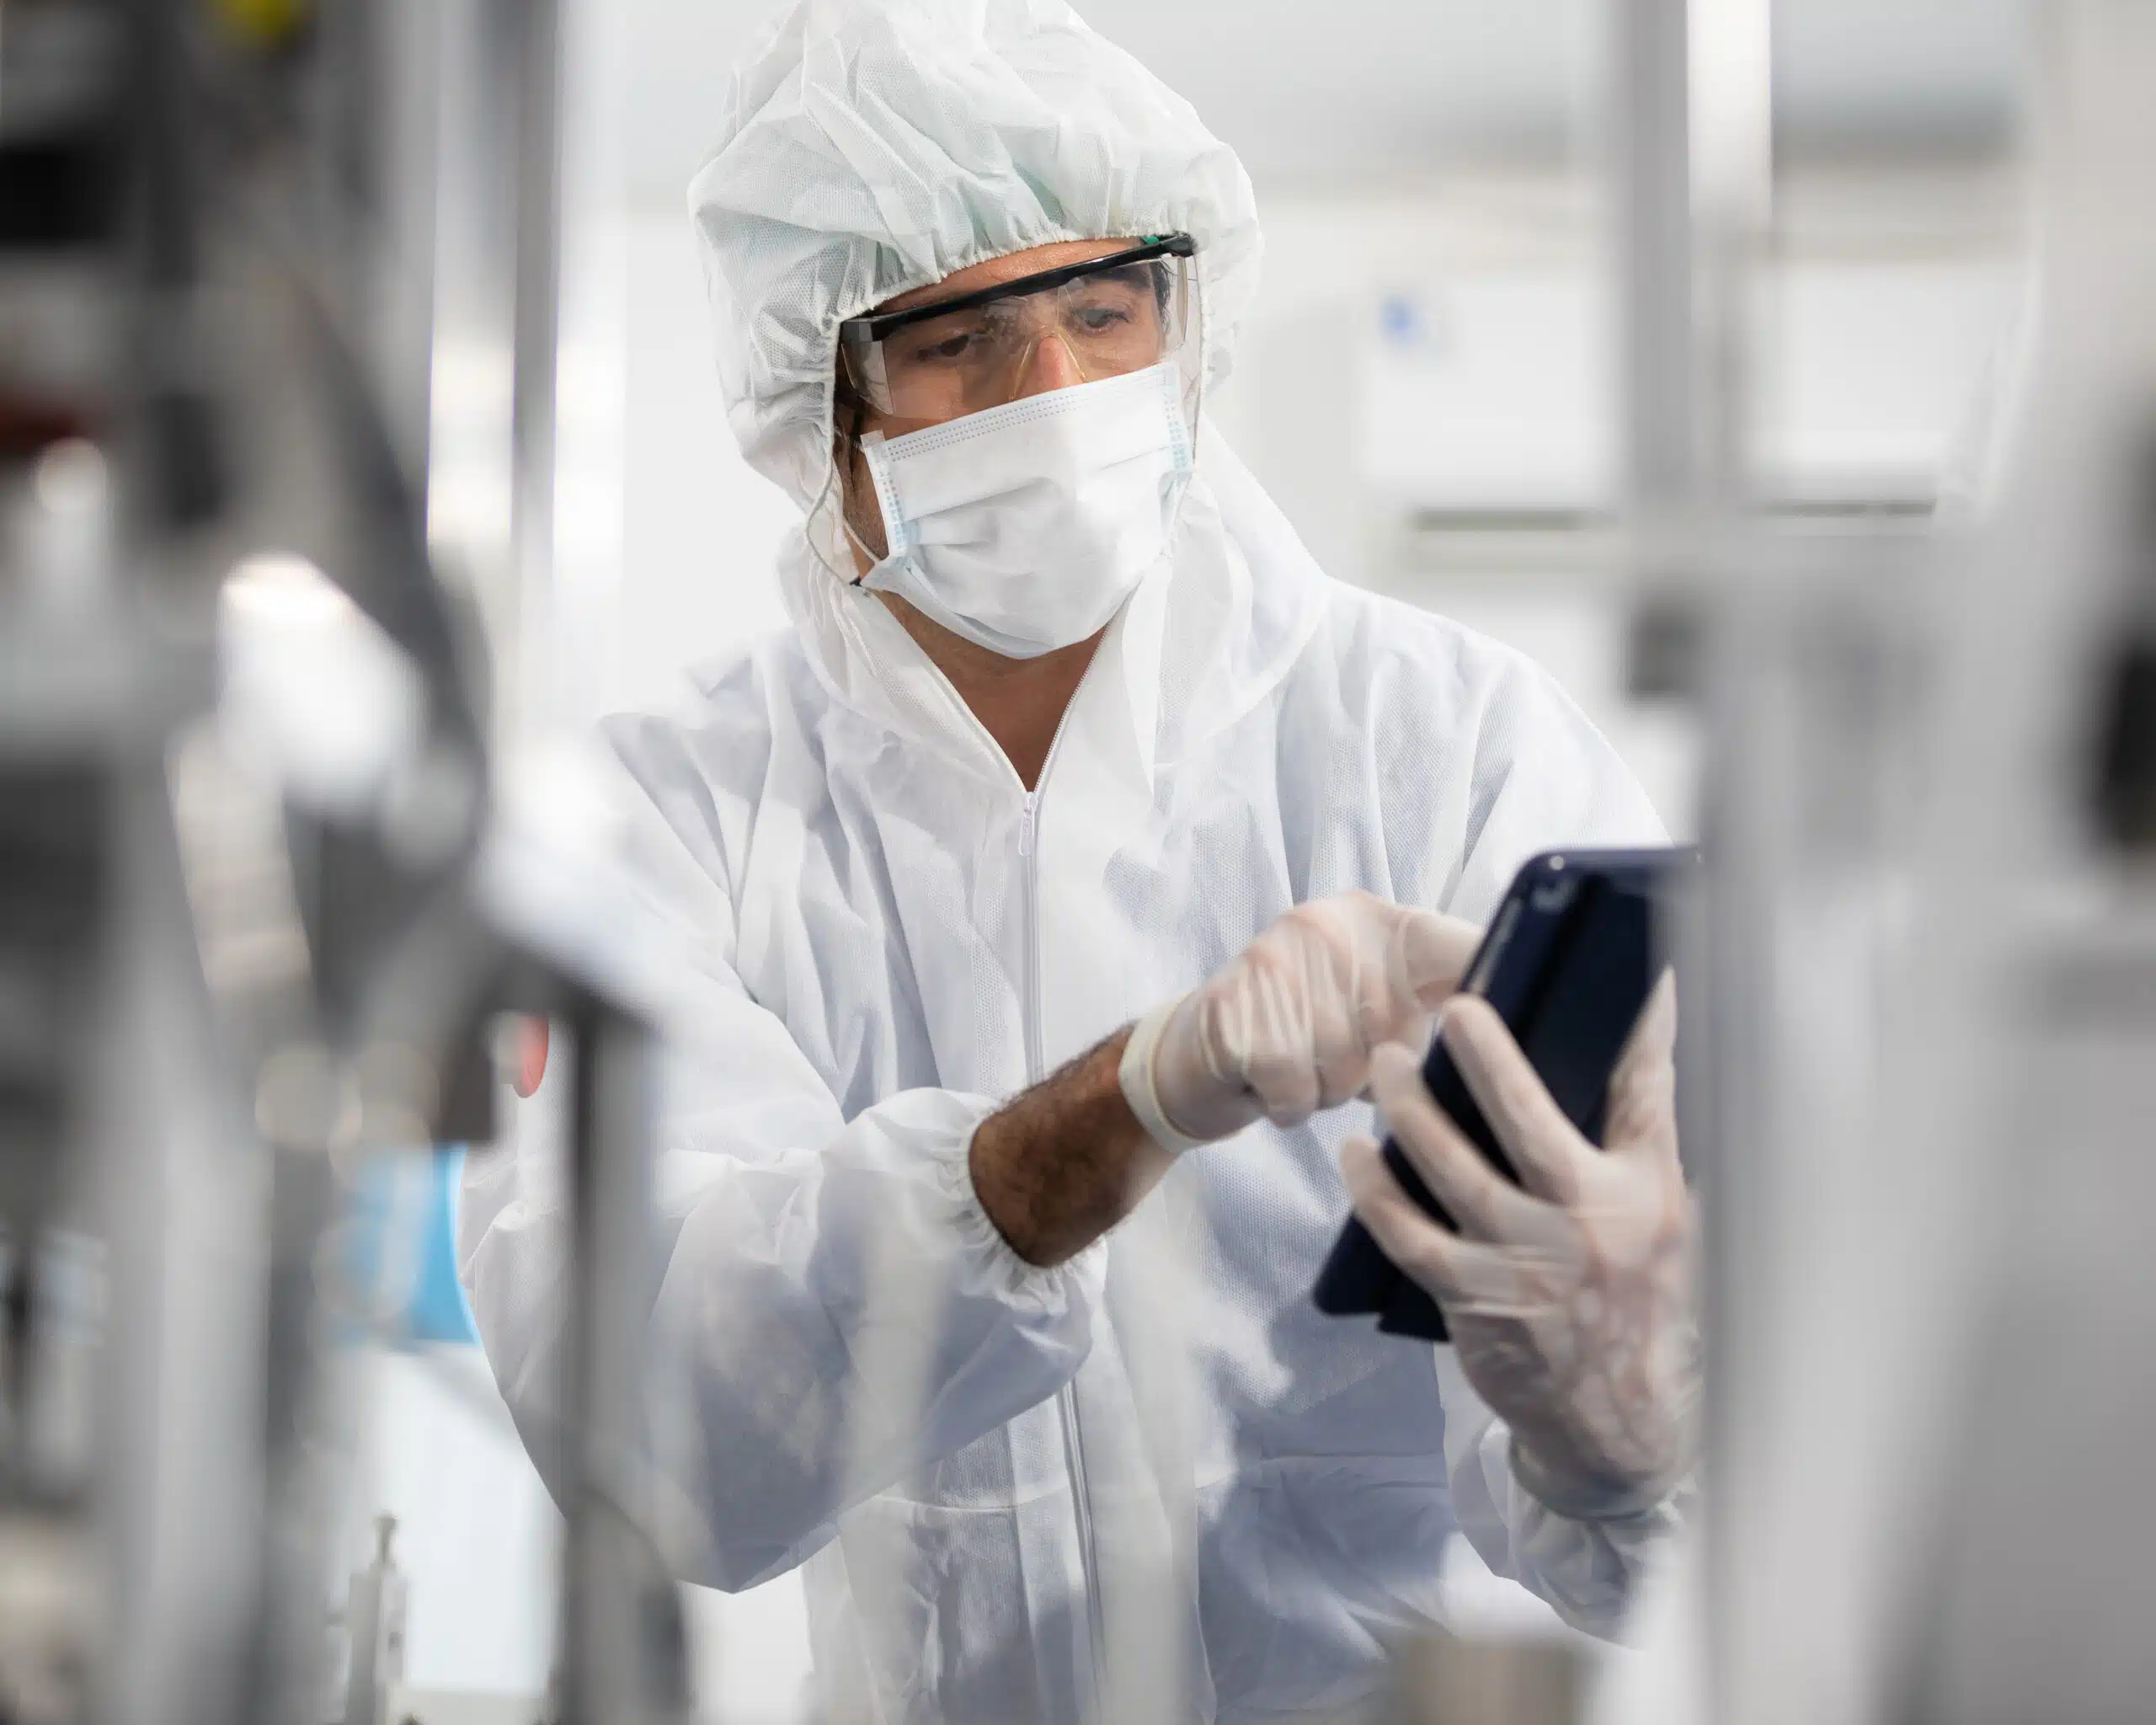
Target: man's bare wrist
{"points": [[1066, 1159]]}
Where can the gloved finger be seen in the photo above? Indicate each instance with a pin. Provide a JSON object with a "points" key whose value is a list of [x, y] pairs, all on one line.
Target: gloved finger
{"points": [[1486, 1205], [1653, 1041], [1364, 934], [1425, 1250], [1277, 1059], [1286, 1071], [1467, 1277], [1342, 1069], [1643, 1087], [1544, 1146], [1237, 1018], [1340, 1044], [1429, 953], [1272, 1084]]}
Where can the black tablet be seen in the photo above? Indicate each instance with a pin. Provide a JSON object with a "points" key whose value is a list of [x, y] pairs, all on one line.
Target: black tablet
{"points": [[1571, 957]]}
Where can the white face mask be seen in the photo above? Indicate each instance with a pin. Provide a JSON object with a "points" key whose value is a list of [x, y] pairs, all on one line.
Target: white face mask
{"points": [[1024, 527]]}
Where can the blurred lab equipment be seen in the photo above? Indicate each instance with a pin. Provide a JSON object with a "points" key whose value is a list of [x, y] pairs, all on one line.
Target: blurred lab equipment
{"points": [[259, 904], [1925, 1131], [374, 1627], [1460, 1679], [1938, 802], [1923, 1141]]}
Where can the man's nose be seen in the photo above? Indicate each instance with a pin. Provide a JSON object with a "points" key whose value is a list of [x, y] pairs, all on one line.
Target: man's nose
{"points": [[1050, 365]]}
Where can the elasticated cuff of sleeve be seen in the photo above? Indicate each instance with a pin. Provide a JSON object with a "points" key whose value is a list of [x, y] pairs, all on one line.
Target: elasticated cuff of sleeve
{"points": [[1574, 1502], [1043, 1287]]}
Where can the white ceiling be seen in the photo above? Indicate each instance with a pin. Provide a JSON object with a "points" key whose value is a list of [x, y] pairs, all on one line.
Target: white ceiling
{"points": [[1317, 92]]}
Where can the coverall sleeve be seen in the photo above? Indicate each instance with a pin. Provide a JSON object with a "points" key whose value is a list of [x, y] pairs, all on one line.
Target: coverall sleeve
{"points": [[833, 1308], [1546, 778], [1588, 1572]]}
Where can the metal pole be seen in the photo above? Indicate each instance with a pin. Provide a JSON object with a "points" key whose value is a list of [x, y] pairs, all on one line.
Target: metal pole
{"points": [[535, 29], [1690, 130], [179, 1200], [623, 1659], [1650, 186], [1690, 113]]}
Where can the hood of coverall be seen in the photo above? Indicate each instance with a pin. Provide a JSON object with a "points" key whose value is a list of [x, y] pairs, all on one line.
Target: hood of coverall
{"points": [[867, 147]]}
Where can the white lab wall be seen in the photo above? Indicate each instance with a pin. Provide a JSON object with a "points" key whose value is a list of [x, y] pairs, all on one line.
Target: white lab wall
{"points": [[1451, 351], [700, 526], [1356, 93]]}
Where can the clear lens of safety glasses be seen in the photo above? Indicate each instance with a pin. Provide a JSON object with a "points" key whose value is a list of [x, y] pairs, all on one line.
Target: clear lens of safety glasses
{"points": [[1083, 322]]}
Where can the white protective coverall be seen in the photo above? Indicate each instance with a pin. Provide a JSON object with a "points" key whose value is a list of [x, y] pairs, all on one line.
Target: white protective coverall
{"points": [[977, 1458]]}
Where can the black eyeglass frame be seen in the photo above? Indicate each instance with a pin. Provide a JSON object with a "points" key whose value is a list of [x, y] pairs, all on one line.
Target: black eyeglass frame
{"points": [[859, 332]]}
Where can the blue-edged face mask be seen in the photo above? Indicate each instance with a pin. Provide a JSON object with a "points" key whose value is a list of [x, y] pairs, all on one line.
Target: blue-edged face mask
{"points": [[1025, 526]]}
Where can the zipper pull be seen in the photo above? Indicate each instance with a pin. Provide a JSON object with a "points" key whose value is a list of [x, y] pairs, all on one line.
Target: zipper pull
{"points": [[1025, 825]]}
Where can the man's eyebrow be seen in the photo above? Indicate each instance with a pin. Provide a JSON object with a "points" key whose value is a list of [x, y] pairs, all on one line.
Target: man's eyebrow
{"points": [[927, 305]]}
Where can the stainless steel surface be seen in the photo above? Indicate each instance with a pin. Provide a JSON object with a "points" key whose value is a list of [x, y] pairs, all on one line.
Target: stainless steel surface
{"points": [[1651, 182], [529, 37]]}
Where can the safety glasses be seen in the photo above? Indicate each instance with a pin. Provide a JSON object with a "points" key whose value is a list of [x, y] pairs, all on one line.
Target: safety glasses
{"points": [[1100, 318]]}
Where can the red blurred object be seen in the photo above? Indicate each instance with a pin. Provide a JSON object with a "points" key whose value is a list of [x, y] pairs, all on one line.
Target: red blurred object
{"points": [[28, 424], [530, 1055]]}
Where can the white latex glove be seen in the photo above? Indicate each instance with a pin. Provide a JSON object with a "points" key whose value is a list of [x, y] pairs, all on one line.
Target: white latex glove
{"points": [[1570, 1303], [1289, 1026]]}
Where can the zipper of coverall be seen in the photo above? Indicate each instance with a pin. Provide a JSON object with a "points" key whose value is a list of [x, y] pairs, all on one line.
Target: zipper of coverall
{"points": [[1066, 1398]]}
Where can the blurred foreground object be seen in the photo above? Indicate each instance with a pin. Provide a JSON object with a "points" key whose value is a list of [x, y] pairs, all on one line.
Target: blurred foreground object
{"points": [[1934, 1370], [257, 909], [1448, 1680], [374, 1623], [2039, 982], [1932, 940]]}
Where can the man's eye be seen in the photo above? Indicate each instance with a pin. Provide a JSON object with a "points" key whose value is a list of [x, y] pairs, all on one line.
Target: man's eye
{"points": [[952, 347], [1098, 320]]}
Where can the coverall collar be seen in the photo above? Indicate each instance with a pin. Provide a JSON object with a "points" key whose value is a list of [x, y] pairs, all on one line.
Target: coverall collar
{"points": [[1208, 633]]}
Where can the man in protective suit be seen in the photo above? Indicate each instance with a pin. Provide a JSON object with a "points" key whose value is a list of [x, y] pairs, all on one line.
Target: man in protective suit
{"points": [[1054, 883]]}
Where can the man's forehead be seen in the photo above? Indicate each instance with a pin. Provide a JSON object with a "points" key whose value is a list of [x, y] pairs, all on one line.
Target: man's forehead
{"points": [[1015, 266]]}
